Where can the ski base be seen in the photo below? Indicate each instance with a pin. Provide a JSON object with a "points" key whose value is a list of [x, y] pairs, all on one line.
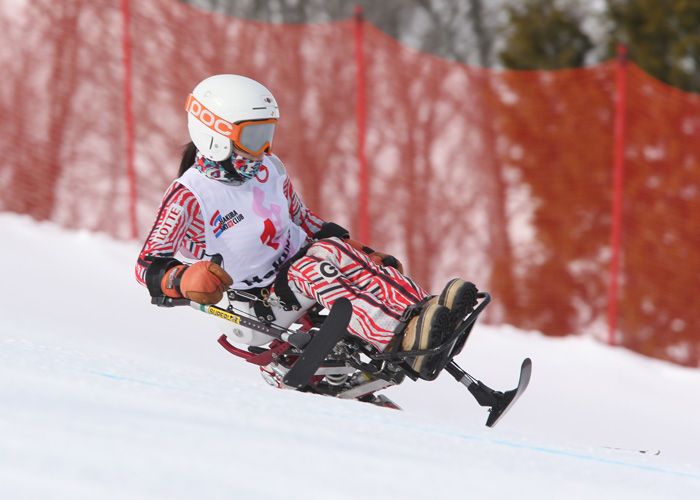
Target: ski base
{"points": [[507, 399]]}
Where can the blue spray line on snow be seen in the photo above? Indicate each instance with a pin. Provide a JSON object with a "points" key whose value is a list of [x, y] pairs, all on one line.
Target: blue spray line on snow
{"points": [[581, 456], [151, 384], [539, 449]]}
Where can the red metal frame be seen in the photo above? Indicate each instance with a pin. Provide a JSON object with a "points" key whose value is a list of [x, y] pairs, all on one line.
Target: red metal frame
{"points": [[363, 177], [265, 358], [129, 116], [618, 187]]}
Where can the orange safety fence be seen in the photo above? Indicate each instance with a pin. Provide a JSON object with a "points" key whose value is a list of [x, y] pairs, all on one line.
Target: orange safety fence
{"points": [[505, 178]]}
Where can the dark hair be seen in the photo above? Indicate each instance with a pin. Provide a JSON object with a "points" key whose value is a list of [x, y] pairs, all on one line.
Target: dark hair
{"points": [[189, 153]]}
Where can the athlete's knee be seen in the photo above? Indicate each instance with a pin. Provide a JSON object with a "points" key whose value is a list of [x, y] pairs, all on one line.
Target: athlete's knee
{"points": [[326, 249]]}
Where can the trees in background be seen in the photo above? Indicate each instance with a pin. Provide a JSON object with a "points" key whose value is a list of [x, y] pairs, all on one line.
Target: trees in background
{"points": [[461, 30], [663, 38]]}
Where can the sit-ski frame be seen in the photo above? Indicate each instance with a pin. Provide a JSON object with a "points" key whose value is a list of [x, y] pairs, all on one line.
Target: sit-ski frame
{"points": [[498, 402]]}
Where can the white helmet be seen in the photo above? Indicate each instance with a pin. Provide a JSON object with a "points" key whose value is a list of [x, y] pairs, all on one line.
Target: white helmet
{"points": [[224, 109]]}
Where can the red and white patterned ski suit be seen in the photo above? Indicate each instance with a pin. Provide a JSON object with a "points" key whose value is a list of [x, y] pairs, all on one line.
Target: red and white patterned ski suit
{"points": [[331, 268], [199, 215]]}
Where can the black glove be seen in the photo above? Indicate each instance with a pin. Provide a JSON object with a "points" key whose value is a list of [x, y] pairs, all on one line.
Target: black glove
{"points": [[330, 230]]}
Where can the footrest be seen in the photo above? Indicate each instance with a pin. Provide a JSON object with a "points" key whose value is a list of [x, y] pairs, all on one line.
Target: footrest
{"points": [[448, 349]]}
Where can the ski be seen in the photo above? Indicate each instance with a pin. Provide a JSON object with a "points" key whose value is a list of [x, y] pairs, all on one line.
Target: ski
{"points": [[334, 328], [507, 399], [643, 452], [498, 402]]}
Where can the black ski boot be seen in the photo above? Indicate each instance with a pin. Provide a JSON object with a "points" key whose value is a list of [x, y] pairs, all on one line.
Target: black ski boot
{"points": [[427, 330], [459, 297]]}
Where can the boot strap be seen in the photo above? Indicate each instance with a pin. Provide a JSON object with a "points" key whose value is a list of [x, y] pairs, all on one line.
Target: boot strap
{"points": [[406, 316]]}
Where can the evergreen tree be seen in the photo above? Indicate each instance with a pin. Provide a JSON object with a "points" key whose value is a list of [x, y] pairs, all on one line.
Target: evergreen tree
{"points": [[542, 36], [663, 38]]}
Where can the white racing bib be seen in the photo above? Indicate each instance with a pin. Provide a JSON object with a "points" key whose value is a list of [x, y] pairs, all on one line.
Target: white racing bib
{"points": [[248, 224]]}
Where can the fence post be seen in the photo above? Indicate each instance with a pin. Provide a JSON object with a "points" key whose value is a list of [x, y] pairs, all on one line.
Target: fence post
{"points": [[618, 175], [129, 116], [360, 110]]}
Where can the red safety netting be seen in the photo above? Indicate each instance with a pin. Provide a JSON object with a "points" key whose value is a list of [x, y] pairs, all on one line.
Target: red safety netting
{"points": [[505, 178]]}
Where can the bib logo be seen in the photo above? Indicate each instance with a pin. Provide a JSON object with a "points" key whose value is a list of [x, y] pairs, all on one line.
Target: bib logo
{"points": [[220, 224], [199, 111], [328, 270], [271, 235], [263, 170]]}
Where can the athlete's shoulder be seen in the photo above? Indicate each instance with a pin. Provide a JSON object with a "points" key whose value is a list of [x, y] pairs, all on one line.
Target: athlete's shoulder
{"points": [[179, 198], [277, 163]]}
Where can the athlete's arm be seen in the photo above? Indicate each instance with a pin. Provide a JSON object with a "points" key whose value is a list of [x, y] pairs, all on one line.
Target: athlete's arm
{"points": [[178, 227]]}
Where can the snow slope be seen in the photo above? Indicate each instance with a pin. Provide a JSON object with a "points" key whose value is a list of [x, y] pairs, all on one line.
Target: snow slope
{"points": [[104, 396]]}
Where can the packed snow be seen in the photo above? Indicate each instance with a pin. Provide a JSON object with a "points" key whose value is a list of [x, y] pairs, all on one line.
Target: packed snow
{"points": [[105, 396]]}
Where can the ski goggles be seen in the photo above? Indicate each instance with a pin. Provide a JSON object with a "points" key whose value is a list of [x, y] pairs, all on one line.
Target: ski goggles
{"points": [[254, 137]]}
